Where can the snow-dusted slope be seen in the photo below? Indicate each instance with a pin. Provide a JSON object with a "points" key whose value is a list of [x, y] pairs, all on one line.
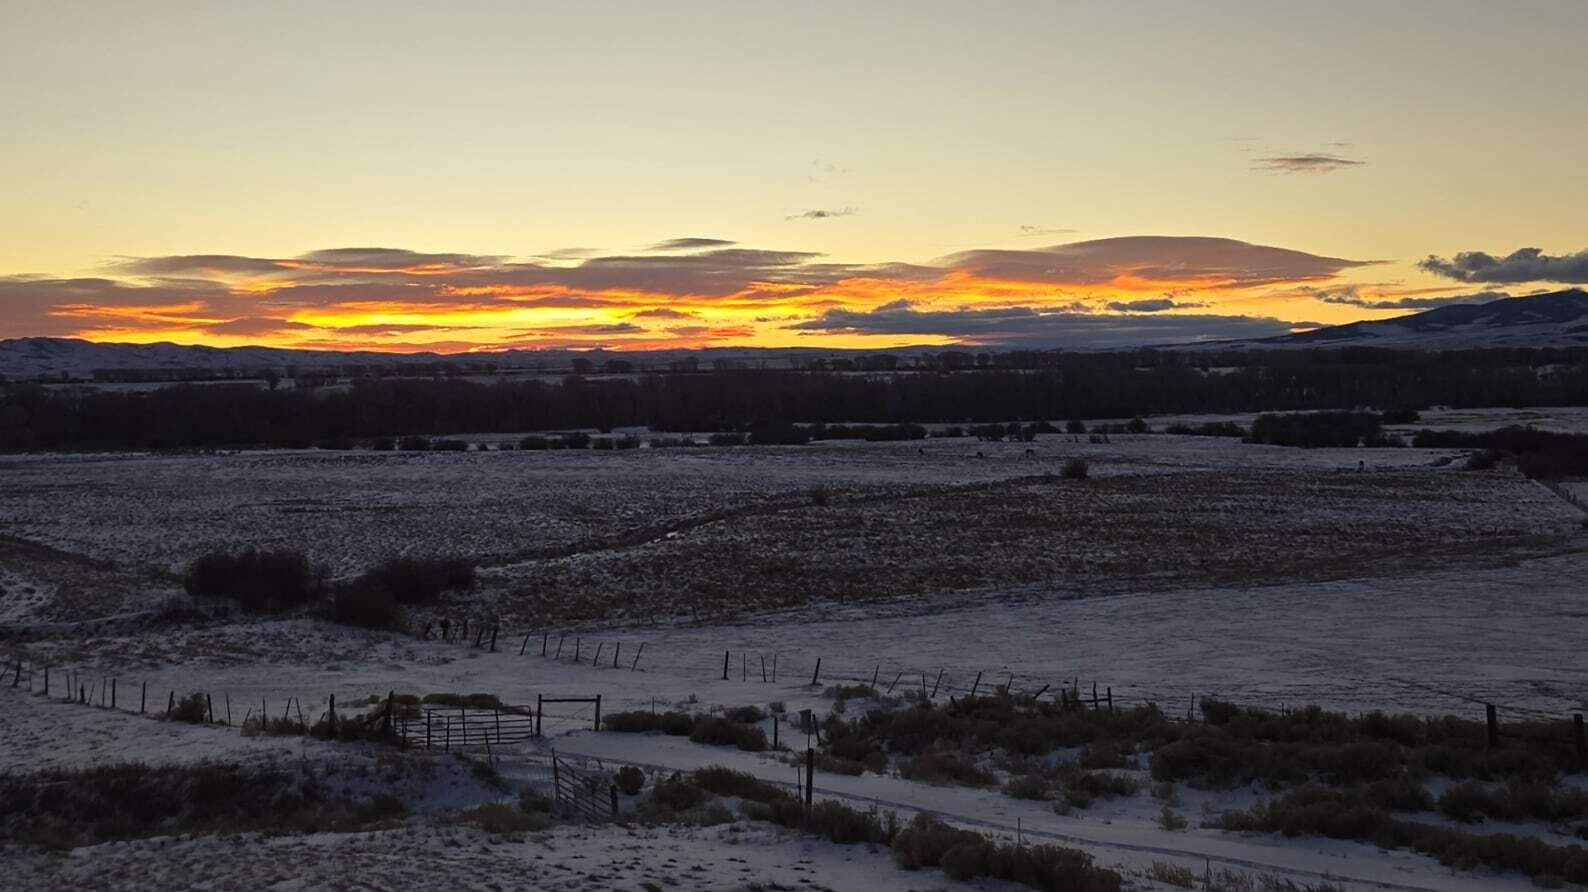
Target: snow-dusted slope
{"points": [[1559, 319]]}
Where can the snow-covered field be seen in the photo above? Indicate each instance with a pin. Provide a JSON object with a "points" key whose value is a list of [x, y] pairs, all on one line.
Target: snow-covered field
{"points": [[1353, 579]]}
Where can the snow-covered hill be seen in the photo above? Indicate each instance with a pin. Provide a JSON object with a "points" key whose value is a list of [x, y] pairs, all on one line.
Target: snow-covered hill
{"points": [[1559, 319]]}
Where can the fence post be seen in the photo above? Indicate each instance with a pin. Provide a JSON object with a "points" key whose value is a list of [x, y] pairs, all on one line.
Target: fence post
{"points": [[18, 678], [615, 651], [763, 668], [142, 697], [776, 720], [539, 710], [46, 681], [209, 702], [774, 668], [113, 693], [817, 674], [427, 730], [744, 666], [810, 776], [386, 723], [544, 637], [493, 639], [598, 713], [636, 664], [895, 682], [223, 694], [874, 674], [1582, 740], [170, 704], [940, 681], [595, 661], [1111, 700], [725, 665], [332, 709], [977, 684], [614, 789], [560, 639], [524, 645], [1494, 724]]}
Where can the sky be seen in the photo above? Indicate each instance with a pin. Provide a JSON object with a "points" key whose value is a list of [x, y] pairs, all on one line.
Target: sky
{"points": [[480, 176]]}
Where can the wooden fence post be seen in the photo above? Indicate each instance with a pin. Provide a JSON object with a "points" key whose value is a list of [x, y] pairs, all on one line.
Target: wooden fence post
{"points": [[973, 687], [744, 666], [143, 696], [209, 702], [615, 651], [113, 693], [493, 639], [539, 711], [560, 639], [1111, 700], [1581, 740], [228, 697], [725, 665], [595, 661], [614, 789], [938, 682], [544, 637], [427, 730], [817, 674], [46, 681], [776, 720], [524, 645], [774, 668], [874, 674], [895, 682], [332, 711], [171, 703], [578, 642], [810, 776], [763, 668], [1494, 724], [636, 664], [598, 713]]}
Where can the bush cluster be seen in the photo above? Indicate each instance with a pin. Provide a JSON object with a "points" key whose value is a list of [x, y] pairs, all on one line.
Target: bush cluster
{"points": [[699, 729], [966, 855], [259, 580], [1345, 814], [64, 809]]}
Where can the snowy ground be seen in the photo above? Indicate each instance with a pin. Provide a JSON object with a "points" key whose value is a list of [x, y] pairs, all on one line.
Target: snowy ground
{"points": [[1439, 588]]}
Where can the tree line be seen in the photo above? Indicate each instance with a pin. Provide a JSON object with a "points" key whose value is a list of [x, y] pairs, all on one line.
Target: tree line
{"points": [[1102, 385]]}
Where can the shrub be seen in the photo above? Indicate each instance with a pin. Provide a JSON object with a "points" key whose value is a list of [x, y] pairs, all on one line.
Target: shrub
{"points": [[820, 497], [259, 580], [368, 608], [677, 794], [1172, 874], [1315, 429], [946, 767], [501, 820], [414, 444], [1169, 820], [415, 580], [727, 782], [1028, 786], [744, 715], [382, 444], [440, 445], [928, 842], [675, 724], [1075, 469], [192, 708], [534, 443], [721, 732], [727, 439], [535, 802], [1075, 426], [630, 780], [576, 440]]}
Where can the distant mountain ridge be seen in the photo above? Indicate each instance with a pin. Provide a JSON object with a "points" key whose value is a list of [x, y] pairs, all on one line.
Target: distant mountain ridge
{"points": [[1557, 319]]}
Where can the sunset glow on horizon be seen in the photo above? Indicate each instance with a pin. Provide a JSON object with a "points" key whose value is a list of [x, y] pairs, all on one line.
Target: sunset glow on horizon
{"points": [[413, 179]]}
